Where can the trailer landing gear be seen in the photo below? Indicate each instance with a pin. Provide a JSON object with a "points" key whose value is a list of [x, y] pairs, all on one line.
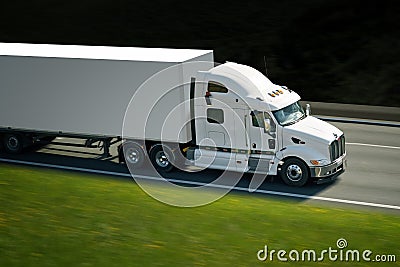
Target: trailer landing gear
{"points": [[103, 143]]}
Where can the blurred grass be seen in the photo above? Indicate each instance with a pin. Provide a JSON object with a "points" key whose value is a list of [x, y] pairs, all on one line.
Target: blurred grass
{"points": [[55, 218]]}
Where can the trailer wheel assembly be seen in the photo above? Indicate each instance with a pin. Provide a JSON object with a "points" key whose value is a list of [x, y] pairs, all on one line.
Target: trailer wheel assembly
{"points": [[294, 172], [13, 143], [161, 158], [133, 154]]}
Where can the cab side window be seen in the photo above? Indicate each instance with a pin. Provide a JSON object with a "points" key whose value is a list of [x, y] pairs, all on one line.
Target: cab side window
{"points": [[257, 119], [215, 115], [214, 87]]}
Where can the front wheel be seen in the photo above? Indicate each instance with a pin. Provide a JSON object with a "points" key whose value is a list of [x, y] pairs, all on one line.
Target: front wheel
{"points": [[294, 172]]}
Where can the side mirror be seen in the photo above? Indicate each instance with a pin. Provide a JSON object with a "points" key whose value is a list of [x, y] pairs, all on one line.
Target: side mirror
{"points": [[267, 125], [308, 109]]}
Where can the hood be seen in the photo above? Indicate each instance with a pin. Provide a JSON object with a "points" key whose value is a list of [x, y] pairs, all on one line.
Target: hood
{"points": [[313, 128]]}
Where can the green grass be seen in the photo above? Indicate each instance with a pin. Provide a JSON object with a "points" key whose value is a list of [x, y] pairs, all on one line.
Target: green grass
{"points": [[54, 218]]}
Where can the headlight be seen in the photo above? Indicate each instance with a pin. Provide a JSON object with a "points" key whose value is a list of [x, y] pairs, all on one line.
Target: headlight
{"points": [[319, 162]]}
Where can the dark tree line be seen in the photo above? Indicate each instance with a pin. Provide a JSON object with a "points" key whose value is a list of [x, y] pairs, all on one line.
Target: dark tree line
{"points": [[331, 50]]}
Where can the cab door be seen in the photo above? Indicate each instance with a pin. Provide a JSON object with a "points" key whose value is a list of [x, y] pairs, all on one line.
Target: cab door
{"points": [[215, 149], [241, 139], [221, 134], [263, 141]]}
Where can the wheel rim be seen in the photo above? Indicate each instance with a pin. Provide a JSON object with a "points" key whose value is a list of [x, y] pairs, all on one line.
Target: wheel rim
{"points": [[12, 143], [132, 155], [294, 172], [161, 159]]}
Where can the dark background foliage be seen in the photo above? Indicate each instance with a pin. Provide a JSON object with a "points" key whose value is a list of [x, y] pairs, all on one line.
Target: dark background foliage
{"points": [[327, 50]]}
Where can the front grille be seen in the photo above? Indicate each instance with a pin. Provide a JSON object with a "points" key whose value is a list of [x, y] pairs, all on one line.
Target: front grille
{"points": [[337, 148]]}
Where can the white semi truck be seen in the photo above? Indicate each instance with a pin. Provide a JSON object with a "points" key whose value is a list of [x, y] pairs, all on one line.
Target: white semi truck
{"points": [[165, 105]]}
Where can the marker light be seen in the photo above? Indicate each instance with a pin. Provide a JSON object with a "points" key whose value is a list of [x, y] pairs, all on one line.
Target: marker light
{"points": [[319, 162]]}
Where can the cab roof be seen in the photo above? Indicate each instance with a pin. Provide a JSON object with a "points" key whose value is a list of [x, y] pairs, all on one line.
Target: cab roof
{"points": [[255, 86]]}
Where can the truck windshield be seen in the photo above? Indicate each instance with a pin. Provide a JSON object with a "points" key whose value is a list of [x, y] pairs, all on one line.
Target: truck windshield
{"points": [[290, 114]]}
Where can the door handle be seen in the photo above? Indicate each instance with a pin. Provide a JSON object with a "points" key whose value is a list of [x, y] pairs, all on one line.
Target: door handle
{"points": [[271, 143]]}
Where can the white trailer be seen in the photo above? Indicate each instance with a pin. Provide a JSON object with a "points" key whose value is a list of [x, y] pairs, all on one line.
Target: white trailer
{"points": [[82, 90], [175, 101]]}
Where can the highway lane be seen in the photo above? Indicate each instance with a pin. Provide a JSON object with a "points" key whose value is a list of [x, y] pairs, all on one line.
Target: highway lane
{"points": [[372, 175], [373, 172]]}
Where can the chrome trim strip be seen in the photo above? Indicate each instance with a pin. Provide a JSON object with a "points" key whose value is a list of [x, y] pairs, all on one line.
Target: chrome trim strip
{"points": [[324, 171]]}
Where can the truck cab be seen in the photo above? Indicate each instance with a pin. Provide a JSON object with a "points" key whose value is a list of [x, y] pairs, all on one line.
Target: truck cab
{"points": [[246, 123]]}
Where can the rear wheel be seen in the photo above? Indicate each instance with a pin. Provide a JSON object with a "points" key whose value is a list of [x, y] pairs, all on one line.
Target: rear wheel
{"points": [[294, 172], [13, 143], [161, 157]]}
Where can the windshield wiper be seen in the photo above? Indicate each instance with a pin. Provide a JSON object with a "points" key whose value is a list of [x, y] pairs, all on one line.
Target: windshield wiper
{"points": [[293, 122]]}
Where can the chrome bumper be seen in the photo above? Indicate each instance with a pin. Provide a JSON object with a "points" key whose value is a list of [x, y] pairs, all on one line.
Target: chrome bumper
{"points": [[331, 169]]}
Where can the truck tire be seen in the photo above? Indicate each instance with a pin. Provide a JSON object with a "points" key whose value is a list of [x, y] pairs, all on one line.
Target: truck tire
{"points": [[13, 143], [133, 154], [294, 172], [161, 157]]}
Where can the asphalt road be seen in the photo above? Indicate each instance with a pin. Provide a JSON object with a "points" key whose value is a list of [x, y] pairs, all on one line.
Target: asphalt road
{"points": [[372, 175]]}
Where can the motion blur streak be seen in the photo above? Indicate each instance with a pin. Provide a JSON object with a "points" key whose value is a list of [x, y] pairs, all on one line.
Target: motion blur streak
{"points": [[268, 192]]}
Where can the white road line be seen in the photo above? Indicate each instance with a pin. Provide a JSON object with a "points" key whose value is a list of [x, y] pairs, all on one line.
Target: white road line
{"points": [[371, 145], [268, 192], [63, 167]]}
